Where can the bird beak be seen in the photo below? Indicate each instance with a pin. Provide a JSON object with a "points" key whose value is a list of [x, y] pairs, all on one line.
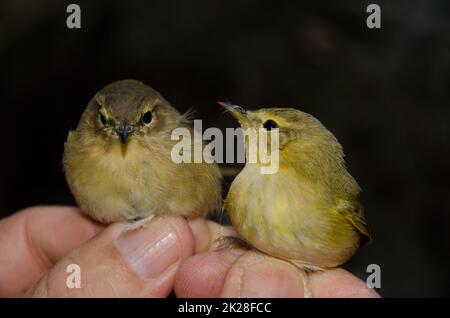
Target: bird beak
{"points": [[124, 130], [237, 112]]}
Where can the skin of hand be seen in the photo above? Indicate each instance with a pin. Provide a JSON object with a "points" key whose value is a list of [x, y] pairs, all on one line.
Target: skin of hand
{"points": [[166, 254], [308, 211], [118, 162]]}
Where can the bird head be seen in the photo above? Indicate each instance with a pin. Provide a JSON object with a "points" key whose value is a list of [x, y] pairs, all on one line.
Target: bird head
{"points": [[129, 109], [301, 136]]}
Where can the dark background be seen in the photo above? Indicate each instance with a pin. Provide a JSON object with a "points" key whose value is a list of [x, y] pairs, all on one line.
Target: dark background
{"points": [[384, 93]]}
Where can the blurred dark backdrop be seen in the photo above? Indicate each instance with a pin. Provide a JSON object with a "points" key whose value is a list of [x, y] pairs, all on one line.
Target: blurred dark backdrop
{"points": [[384, 93]]}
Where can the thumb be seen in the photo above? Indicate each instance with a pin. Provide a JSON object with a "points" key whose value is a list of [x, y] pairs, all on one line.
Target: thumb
{"points": [[120, 262]]}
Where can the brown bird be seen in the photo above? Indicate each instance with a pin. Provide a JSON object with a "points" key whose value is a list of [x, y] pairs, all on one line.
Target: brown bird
{"points": [[118, 162]]}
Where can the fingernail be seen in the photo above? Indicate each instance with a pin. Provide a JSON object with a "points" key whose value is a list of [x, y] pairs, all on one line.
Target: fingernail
{"points": [[270, 280], [150, 250]]}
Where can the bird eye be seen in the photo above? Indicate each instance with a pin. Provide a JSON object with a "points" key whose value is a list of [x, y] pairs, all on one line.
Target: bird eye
{"points": [[147, 118], [270, 124], [103, 120]]}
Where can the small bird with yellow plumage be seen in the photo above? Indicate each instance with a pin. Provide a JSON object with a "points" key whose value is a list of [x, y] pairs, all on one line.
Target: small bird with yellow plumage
{"points": [[118, 161], [308, 211]]}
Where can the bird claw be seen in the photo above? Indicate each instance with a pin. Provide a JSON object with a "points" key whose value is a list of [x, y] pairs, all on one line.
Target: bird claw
{"points": [[229, 242], [137, 223]]}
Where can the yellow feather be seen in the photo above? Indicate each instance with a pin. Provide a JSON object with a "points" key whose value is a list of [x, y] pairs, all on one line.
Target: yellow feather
{"points": [[307, 212]]}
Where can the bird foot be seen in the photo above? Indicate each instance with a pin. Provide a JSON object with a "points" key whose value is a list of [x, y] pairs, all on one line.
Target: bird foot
{"points": [[229, 242], [137, 223]]}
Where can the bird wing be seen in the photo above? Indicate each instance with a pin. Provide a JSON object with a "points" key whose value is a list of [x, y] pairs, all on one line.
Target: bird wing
{"points": [[354, 213]]}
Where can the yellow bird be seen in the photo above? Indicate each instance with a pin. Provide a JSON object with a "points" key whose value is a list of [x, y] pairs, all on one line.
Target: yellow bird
{"points": [[308, 211], [118, 161]]}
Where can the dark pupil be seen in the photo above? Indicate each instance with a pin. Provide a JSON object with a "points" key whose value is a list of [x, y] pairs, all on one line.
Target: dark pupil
{"points": [[147, 118], [270, 124], [103, 120]]}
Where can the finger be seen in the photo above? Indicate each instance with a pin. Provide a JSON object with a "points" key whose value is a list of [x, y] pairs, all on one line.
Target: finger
{"points": [[34, 239], [124, 263], [338, 283], [203, 275], [207, 232], [206, 274], [257, 275]]}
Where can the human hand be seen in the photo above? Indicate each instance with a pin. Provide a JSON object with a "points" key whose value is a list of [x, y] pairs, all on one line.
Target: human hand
{"points": [[238, 273], [39, 243]]}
